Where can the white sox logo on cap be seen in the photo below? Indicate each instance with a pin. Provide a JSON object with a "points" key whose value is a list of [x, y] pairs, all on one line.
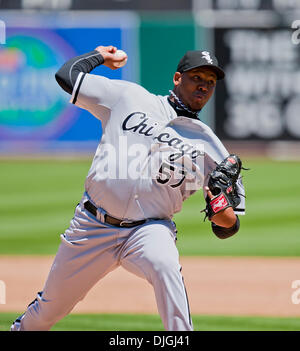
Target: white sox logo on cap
{"points": [[206, 56], [198, 58]]}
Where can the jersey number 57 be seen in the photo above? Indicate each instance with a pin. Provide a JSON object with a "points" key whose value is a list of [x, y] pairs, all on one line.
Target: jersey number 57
{"points": [[168, 172]]}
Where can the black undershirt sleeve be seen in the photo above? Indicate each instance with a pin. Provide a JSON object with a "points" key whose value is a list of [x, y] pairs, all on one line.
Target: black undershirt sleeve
{"points": [[224, 233], [66, 76]]}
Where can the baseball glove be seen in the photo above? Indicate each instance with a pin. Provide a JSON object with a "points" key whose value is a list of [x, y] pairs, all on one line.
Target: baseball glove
{"points": [[222, 184]]}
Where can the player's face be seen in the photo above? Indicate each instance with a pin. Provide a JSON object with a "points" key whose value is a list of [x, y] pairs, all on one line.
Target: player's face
{"points": [[195, 87]]}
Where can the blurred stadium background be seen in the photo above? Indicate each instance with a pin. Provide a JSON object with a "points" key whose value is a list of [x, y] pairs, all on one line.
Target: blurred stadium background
{"points": [[47, 144]]}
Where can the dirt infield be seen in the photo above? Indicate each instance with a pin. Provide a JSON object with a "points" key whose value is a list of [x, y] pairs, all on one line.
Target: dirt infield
{"points": [[219, 286]]}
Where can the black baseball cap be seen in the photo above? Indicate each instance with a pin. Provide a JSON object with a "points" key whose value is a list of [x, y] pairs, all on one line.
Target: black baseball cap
{"points": [[197, 58]]}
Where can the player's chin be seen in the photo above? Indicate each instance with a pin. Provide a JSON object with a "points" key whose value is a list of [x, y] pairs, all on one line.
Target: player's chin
{"points": [[198, 103]]}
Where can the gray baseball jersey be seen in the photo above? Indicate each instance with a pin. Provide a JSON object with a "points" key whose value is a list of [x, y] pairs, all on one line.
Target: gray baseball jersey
{"points": [[149, 160]]}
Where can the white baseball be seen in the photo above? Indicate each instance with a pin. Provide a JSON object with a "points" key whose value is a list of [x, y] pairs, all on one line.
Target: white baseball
{"points": [[122, 63]]}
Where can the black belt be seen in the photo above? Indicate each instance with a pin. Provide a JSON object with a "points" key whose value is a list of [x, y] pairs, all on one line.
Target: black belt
{"points": [[111, 220]]}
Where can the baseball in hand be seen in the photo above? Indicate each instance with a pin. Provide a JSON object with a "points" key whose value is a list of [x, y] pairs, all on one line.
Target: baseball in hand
{"points": [[120, 53]]}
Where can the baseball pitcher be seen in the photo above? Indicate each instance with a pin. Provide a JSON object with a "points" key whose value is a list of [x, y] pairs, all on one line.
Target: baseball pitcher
{"points": [[154, 153]]}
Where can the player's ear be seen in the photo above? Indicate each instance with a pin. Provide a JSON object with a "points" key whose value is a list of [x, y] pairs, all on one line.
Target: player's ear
{"points": [[177, 78]]}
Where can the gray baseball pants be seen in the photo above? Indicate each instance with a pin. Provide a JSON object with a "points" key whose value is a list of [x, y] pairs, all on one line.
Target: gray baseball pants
{"points": [[90, 249]]}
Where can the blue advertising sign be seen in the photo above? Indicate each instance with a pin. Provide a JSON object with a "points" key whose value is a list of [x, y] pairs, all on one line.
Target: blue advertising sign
{"points": [[35, 113]]}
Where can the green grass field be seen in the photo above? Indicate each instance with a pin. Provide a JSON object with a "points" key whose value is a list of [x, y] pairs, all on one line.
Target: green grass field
{"points": [[38, 199], [125, 322]]}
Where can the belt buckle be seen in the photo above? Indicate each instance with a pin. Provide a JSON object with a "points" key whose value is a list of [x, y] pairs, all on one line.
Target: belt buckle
{"points": [[124, 222]]}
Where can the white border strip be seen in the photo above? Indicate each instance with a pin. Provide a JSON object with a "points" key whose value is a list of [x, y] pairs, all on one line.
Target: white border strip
{"points": [[237, 18], [69, 19]]}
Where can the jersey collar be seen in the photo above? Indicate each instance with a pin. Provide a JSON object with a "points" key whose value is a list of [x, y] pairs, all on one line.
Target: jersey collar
{"points": [[181, 112]]}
